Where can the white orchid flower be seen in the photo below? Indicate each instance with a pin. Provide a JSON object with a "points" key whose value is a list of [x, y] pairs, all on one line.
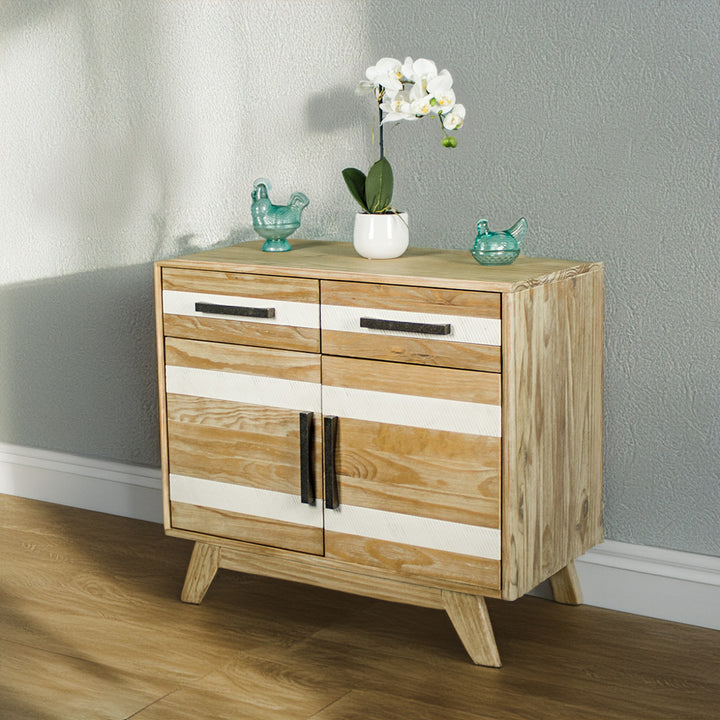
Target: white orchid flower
{"points": [[455, 118], [440, 87], [420, 71], [397, 106], [387, 73]]}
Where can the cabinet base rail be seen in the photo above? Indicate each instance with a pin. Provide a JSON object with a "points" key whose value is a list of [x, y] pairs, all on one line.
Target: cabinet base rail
{"points": [[467, 612]]}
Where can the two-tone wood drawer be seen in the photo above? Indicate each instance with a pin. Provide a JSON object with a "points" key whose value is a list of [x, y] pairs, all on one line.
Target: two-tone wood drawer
{"points": [[248, 309], [426, 326]]}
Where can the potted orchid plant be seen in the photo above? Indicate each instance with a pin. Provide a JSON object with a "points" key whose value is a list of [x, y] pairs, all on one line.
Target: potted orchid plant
{"points": [[408, 91]]}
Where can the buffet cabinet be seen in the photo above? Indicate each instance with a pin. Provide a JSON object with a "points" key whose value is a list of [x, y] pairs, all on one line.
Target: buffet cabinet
{"points": [[424, 430]]}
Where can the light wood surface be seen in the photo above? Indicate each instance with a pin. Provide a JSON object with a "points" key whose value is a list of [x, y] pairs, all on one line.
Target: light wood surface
{"points": [[248, 528], [91, 626], [412, 350], [471, 621], [229, 283], [444, 383], [162, 404], [245, 333], [203, 565], [412, 562], [552, 428], [246, 360], [411, 299], [427, 267], [565, 585]]}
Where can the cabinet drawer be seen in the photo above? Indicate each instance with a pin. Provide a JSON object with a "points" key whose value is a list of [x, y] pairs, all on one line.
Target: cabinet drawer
{"points": [[245, 309], [425, 326]]}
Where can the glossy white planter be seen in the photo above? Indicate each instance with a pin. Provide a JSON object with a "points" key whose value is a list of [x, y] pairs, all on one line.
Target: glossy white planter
{"points": [[380, 237]]}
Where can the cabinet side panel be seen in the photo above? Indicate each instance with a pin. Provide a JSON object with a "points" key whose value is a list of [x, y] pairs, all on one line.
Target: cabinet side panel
{"points": [[552, 428], [160, 342]]}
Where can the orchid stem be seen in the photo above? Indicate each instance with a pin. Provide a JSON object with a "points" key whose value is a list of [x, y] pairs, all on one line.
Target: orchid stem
{"points": [[380, 119]]}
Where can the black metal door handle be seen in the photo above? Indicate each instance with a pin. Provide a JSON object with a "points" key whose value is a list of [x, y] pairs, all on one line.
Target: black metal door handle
{"points": [[330, 423], [402, 326], [234, 310], [307, 481]]}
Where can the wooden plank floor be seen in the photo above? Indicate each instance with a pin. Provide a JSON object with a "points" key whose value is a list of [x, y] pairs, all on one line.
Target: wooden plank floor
{"points": [[91, 627]]}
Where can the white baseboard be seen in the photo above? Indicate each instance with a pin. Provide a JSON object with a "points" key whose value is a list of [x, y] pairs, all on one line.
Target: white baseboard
{"points": [[109, 487], [666, 584]]}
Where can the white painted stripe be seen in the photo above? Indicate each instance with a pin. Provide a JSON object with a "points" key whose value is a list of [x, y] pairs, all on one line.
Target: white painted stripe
{"points": [[413, 410], [238, 387], [295, 314], [474, 330], [267, 504], [424, 532]]}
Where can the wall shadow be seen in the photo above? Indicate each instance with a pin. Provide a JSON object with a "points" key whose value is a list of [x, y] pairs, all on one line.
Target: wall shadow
{"points": [[77, 364]]}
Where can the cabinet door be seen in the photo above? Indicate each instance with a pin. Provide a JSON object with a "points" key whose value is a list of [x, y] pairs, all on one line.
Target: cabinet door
{"points": [[417, 469], [236, 453]]}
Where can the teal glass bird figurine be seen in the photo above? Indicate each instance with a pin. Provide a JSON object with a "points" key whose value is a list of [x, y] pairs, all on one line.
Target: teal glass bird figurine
{"points": [[275, 222], [498, 248]]}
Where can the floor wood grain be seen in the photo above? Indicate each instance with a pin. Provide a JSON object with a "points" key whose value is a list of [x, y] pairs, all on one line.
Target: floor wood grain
{"points": [[91, 627]]}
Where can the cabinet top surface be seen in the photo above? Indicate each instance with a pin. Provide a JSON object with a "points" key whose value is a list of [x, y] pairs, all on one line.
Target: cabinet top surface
{"points": [[418, 266]]}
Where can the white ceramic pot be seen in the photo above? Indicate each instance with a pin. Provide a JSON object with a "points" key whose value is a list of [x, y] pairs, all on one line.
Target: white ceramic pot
{"points": [[380, 237]]}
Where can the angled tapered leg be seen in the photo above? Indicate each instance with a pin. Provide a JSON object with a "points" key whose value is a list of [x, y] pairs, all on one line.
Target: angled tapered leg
{"points": [[470, 618], [566, 585], [204, 563]]}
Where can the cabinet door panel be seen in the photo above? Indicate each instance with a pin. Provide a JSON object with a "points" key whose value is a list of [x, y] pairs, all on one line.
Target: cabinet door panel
{"points": [[233, 428], [418, 470]]}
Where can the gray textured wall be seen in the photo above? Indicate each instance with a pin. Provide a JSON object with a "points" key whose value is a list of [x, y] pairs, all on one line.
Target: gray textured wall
{"points": [[131, 131]]}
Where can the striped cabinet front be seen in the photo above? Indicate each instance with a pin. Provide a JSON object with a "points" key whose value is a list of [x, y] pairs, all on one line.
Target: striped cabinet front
{"points": [[240, 443], [417, 470]]}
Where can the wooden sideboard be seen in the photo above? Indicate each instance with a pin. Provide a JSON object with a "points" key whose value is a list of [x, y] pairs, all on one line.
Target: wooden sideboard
{"points": [[424, 430]]}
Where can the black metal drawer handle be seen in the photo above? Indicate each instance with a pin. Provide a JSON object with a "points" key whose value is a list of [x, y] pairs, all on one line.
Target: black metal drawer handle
{"points": [[400, 326], [234, 310], [330, 432], [307, 481]]}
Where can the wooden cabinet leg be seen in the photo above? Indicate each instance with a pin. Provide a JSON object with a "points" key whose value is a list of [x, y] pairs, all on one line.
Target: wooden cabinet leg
{"points": [[201, 571], [566, 585], [470, 618]]}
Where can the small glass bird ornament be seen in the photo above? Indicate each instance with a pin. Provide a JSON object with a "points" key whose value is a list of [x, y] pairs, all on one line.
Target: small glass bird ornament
{"points": [[498, 248], [275, 222]]}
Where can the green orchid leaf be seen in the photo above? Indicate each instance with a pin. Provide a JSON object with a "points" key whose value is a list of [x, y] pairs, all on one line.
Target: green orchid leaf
{"points": [[379, 186], [355, 180]]}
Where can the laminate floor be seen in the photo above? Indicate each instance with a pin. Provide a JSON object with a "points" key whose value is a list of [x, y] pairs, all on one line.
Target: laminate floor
{"points": [[91, 627]]}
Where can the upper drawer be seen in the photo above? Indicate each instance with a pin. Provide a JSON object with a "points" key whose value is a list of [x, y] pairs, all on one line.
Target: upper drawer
{"points": [[243, 309], [427, 326]]}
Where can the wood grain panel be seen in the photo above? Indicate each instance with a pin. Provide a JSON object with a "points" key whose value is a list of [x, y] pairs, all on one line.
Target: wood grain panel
{"points": [[415, 563], [244, 333], [263, 531], [471, 621], [412, 350], [328, 575], [244, 458], [234, 283], [247, 360], [431, 473], [162, 409], [422, 267], [552, 474], [445, 383], [411, 298]]}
